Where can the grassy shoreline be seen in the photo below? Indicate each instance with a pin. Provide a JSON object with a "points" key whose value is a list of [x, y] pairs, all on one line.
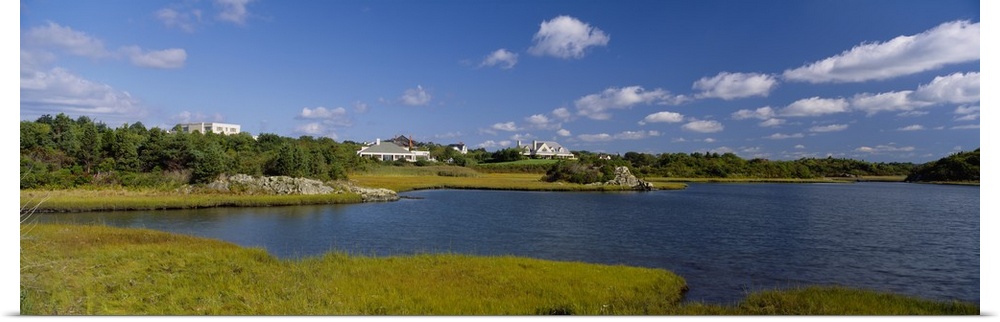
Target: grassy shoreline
{"points": [[100, 270], [80, 200]]}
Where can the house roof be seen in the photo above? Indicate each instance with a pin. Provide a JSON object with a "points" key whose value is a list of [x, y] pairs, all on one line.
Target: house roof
{"points": [[384, 148]]}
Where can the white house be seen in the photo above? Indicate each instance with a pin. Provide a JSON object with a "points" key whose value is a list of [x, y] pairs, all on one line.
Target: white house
{"points": [[388, 151], [203, 127], [545, 150], [460, 147]]}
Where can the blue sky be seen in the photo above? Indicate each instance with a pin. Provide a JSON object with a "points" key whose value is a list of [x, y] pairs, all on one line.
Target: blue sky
{"points": [[872, 80]]}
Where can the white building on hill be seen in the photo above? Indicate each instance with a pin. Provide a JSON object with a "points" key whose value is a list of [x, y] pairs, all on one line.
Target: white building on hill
{"points": [[203, 127]]}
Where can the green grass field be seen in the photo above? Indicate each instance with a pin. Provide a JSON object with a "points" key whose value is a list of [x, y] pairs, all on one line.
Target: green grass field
{"points": [[417, 179], [121, 199], [99, 270]]}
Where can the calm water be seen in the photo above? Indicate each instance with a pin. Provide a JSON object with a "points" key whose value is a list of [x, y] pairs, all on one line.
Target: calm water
{"points": [[724, 239]]}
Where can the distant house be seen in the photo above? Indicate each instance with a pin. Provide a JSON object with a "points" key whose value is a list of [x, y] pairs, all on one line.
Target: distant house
{"points": [[203, 127], [388, 151], [460, 147], [545, 150]]}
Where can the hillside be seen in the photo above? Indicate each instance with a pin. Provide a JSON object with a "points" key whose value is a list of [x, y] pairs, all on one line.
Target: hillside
{"points": [[958, 167]]}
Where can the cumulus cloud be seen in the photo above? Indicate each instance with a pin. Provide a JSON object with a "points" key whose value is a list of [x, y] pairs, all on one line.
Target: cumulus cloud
{"points": [[703, 126], [415, 96], [730, 86], [662, 117], [595, 106], [494, 144], [59, 90], [815, 106], [501, 57], [509, 126], [333, 116], [883, 149], [626, 135], [164, 59], [771, 122], [183, 20], [949, 43], [883, 102], [782, 136], [66, 39], [566, 37], [968, 113], [799, 146], [562, 114], [957, 88], [828, 128], [234, 11], [914, 127], [564, 132], [966, 127], [762, 113]]}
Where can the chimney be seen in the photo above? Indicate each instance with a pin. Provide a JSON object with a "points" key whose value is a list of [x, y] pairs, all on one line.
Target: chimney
{"points": [[518, 144], [411, 142], [378, 141]]}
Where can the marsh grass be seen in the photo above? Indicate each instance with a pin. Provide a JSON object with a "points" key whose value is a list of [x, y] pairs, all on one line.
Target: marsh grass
{"points": [[99, 270], [486, 181], [120, 199]]}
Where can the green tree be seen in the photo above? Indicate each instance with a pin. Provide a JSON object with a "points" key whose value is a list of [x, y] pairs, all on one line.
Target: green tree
{"points": [[208, 163]]}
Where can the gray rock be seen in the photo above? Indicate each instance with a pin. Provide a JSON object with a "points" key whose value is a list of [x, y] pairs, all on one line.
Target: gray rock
{"points": [[624, 177]]}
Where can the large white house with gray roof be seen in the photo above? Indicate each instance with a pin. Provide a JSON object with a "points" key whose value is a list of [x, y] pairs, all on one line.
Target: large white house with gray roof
{"points": [[388, 151], [545, 150]]}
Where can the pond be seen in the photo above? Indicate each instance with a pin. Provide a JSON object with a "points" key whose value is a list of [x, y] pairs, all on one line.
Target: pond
{"points": [[725, 239]]}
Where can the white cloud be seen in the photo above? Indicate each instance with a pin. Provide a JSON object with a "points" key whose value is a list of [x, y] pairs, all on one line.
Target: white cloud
{"points": [[186, 21], [310, 129], [799, 146], [540, 121], [771, 122], [564, 132], [815, 106], [494, 144], [234, 11], [709, 140], [509, 127], [78, 43], [913, 113], [595, 106], [662, 117], [167, 58], [884, 148], [626, 135], [828, 128], [882, 102], [914, 127], [360, 107], [703, 126], [949, 43], [730, 86], [782, 136], [64, 38], [334, 116], [501, 57], [189, 117], [566, 37], [966, 127], [968, 113], [562, 114], [956, 88], [415, 96], [58, 90], [762, 113]]}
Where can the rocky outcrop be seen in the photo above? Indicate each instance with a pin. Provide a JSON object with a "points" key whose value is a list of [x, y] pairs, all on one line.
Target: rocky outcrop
{"points": [[279, 185], [624, 177], [283, 185], [367, 194]]}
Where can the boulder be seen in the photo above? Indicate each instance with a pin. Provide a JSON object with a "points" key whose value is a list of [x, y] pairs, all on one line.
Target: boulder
{"points": [[624, 177]]}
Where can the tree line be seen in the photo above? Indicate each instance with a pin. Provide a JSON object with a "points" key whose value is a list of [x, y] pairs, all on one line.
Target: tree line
{"points": [[61, 152]]}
